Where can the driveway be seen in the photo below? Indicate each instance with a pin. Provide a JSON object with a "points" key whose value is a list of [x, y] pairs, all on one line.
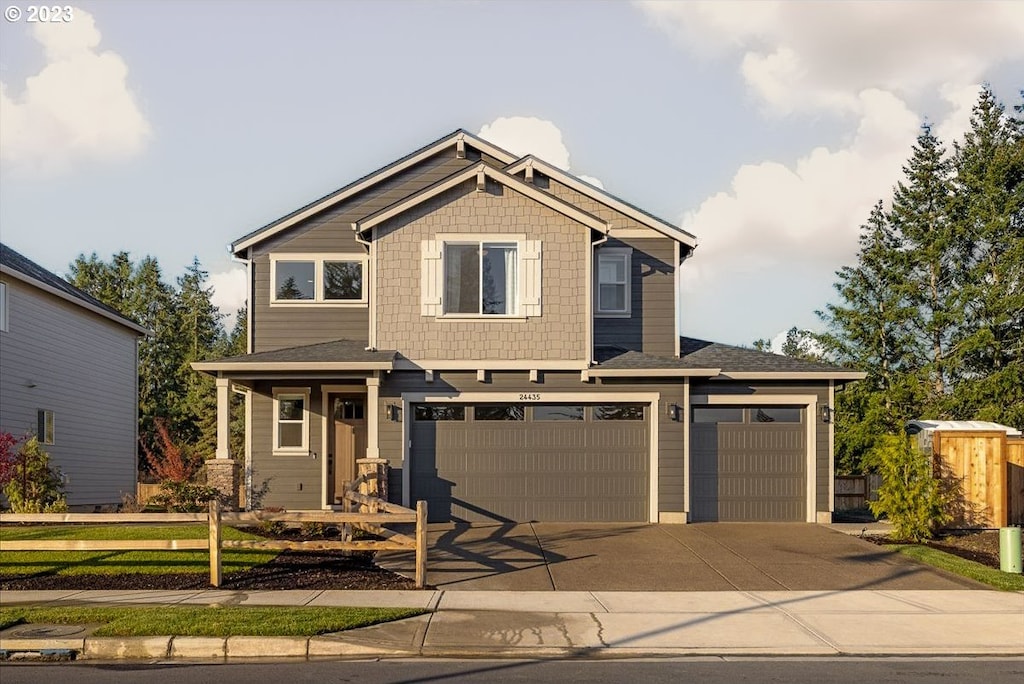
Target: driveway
{"points": [[639, 557]]}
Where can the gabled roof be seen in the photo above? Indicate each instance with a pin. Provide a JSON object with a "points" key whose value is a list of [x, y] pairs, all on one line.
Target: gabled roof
{"points": [[481, 171], [325, 356], [22, 268], [750, 364], [457, 138], [598, 195]]}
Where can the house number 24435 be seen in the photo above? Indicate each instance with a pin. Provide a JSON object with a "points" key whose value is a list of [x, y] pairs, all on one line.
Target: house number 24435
{"points": [[530, 396]]}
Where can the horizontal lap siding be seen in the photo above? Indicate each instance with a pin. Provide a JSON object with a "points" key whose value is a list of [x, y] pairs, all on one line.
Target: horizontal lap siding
{"points": [[651, 328], [331, 232], [292, 481], [83, 368]]}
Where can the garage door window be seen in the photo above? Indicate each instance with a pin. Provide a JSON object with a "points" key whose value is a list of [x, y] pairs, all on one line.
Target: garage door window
{"points": [[558, 412], [775, 414], [619, 412], [500, 412], [717, 414], [440, 412]]}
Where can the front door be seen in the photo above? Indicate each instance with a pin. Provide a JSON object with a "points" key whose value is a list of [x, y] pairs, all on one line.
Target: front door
{"points": [[346, 442]]}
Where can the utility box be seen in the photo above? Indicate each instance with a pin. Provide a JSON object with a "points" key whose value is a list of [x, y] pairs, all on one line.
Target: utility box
{"points": [[983, 465]]}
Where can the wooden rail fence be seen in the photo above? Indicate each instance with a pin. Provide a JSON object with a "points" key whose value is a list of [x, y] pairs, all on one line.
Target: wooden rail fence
{"points": [[372, 521]]}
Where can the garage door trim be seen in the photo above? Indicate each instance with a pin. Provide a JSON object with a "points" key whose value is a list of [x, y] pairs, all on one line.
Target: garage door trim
{"points": [[534, 396], [808, 401]]}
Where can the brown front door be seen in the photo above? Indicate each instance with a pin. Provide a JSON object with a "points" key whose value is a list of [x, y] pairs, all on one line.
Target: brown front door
{"points": [[347, 442]]}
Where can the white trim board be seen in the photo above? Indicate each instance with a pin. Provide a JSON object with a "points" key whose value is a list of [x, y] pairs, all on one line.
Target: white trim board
{"points": [[653, 399]]}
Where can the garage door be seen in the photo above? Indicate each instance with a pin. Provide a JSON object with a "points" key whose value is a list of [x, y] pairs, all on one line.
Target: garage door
{"points": [[526, 462], [748, 463]]}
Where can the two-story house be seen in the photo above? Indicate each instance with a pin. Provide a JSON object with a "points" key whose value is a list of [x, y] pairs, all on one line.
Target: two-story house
{"points": [[69, 375], [505, 336]]}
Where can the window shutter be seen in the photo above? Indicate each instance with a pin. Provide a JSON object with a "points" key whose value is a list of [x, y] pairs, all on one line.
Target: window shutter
{"points": [[531, 277], [431, 278]]}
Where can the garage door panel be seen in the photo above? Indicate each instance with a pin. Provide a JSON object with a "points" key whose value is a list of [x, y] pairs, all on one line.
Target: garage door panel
{"points": [[748, 471], [532, 470]]}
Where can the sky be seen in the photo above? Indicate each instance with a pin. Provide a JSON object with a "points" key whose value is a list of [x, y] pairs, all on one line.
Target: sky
{"points": [[767, 129]]}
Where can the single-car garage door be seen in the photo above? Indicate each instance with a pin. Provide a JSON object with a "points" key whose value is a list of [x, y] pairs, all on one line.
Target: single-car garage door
{"points": [[748, 463], [524, 462]]}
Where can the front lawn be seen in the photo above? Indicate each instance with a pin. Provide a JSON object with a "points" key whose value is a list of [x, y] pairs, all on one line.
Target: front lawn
{"points": [[122, 562], [209, 621], [961, 566]]}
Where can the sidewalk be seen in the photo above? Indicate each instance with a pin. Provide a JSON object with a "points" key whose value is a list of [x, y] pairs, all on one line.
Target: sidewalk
{"points": [[576, 624]]}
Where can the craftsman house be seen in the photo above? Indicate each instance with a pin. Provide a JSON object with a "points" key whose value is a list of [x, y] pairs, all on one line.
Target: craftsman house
{"points": [[69, 375], [505, 336]]}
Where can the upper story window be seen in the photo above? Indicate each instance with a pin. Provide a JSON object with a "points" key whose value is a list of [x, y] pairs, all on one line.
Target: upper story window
{"points": [[612, 292], [481, 278], [330, 279]]}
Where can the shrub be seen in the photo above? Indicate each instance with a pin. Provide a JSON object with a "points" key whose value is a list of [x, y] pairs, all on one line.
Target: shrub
{"points": [[910, 496], [184, 497], [314, 530], [8, 456], [171, 463], [35, 487], [272, 528]]}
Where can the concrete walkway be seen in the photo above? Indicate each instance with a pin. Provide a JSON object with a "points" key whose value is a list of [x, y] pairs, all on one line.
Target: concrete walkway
{"points": [[571, 624]]}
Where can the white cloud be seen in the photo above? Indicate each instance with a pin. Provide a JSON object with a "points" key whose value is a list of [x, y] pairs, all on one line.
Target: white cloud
{"points": [[523, 135], [775, 216], [229, 292], [79, 106], [811, 55]]}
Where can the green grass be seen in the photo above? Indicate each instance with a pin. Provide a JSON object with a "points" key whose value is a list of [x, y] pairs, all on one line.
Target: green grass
{"points": [[961, 566], [120, 562], [213, 621]]}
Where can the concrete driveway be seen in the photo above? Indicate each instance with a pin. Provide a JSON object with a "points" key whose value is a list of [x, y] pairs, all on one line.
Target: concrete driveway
{"points": [[639, 557]]}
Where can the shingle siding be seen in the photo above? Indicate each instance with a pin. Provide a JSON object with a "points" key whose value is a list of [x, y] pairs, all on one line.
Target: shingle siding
{"points": [[557, 334], [60, 357]]}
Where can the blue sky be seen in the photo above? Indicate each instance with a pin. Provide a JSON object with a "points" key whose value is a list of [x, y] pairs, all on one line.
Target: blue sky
{"points": [[767, 129]]}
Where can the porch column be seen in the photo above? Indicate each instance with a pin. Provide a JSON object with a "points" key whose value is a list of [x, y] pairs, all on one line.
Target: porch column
{"points": [[222, 471], [223, 418], [372, 414]]}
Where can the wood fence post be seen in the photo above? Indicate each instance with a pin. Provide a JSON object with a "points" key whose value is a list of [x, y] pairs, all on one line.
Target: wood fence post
{"points": [[215, 565], [421, 544]]}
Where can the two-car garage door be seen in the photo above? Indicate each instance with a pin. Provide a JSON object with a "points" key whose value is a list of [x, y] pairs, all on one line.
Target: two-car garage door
{"points": [[748, 463], [531, 462]]}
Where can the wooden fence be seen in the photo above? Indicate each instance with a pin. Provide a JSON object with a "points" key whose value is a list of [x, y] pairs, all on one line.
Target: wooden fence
{"points": [[371, 520], [985, 473], [852, 492]]}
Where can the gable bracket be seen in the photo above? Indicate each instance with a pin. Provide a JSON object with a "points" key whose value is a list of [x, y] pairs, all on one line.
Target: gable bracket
{"points": [[481, 179], [460, 146]]}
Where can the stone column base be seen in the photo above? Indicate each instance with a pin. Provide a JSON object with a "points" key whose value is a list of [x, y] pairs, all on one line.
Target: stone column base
{"points": [[222, 473]]}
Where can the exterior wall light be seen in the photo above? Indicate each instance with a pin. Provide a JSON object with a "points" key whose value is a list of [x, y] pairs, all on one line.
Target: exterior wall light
{"points": [[394, 413]]}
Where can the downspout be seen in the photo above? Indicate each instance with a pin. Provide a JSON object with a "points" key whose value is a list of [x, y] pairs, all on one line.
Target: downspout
{"points": [[594, 244], [368, 244], [681, 259]]}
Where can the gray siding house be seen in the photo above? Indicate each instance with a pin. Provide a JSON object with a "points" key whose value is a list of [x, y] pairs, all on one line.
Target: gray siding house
{"points": [[69, 374], [504, 335]]}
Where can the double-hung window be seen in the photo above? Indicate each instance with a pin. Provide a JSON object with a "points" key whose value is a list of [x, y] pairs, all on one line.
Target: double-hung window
{"points": [[481, 278], [45, 429], [332, 279], [612, 291], [291, 421]]}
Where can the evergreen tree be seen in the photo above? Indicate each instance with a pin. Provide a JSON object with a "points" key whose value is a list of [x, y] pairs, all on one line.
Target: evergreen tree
{"points": [[988, 216], [920, 217]]}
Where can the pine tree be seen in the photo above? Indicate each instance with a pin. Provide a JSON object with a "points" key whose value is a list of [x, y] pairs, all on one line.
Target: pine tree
{"points": [[920, 217], [988, 216]]}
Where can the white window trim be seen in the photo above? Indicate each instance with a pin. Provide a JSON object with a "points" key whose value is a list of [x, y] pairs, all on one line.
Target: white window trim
{"points": [[49, 419], [3, 306], [290, 392], [625, 253], [318, 280], [470, 239]]}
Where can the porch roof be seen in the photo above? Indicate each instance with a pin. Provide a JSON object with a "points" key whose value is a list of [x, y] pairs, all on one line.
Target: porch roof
{"points": [[337, 355]]}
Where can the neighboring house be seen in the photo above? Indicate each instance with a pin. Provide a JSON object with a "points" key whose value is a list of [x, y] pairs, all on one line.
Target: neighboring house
{"points": [[69, 374], [505, 336]]}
